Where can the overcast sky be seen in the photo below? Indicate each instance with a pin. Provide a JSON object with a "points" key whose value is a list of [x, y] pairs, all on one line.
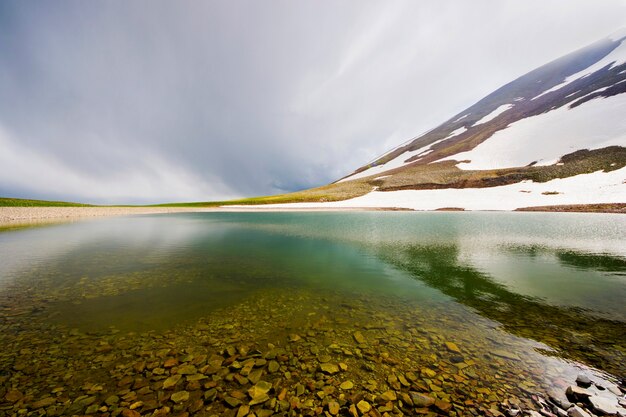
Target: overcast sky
{"points": [[152, 101]]}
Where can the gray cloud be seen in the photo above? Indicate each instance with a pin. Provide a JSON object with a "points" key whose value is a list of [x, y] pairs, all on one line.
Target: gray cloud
{"points": [[148, 101]]}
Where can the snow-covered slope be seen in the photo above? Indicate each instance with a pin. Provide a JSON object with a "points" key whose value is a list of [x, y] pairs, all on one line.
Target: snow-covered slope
{"points": [[597, 187], [546, 137], [575, 102], [399, 161]]}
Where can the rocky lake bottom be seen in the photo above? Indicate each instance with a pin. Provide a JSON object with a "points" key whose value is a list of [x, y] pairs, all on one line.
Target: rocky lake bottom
{"points": [[106, 329]]}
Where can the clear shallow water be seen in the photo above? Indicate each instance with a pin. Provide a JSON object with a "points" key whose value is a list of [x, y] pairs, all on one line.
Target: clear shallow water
{"points": [[528, 298]]}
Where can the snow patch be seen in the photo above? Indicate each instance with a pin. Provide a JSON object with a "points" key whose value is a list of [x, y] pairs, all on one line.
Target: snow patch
{"points": [[597, 187], [380, 178], [497, 112], [616, 57], [452, 134], [556, 87], [461, 118], [546, 137], [599, 90], [397, 162]]}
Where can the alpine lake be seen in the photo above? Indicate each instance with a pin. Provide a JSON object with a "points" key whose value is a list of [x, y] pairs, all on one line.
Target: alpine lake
{"points": [[314, 313]]}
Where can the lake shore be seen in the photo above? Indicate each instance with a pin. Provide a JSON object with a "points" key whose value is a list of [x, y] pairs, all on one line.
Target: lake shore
{"points": [[26, 215]]}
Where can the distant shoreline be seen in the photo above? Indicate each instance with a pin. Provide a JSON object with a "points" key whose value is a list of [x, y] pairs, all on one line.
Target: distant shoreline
{"points": [[11, 216]]}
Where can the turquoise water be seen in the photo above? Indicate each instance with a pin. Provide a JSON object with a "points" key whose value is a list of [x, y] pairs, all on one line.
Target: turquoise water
{"points": [[547, 288]]}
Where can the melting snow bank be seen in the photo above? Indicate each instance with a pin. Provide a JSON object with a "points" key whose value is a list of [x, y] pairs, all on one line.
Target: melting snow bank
{"points": [[546, 137], [598, 187], [497, 112]]}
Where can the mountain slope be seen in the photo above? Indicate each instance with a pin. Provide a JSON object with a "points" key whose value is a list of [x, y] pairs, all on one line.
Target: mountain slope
{"points": [[560, 125], [592, 73]]}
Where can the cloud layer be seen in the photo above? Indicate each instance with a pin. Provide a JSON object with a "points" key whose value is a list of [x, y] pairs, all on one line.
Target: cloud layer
{"points": [[137, 102]]}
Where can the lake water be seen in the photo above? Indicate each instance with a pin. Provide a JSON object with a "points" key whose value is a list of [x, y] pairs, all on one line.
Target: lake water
{"points": [[188, 312]]}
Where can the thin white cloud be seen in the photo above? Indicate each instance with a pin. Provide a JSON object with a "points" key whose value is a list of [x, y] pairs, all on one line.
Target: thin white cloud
{"points": [[152, 179]]}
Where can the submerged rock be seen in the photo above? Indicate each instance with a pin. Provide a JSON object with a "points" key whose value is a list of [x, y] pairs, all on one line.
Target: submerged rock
{"points": [[13, 396], [576, 411], [358, 337], [333, 408], [421, 400], [363, 406], [583, 381], [452, 347], [329, 368], [347, 385], [45, 402], [604, 405], [180, 396], [505, 354], [576, 393], [171, 381], [259, 399]]}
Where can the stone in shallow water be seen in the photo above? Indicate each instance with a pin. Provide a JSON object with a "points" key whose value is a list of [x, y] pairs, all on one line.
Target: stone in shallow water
{"points": [[243, 411], [452, 347], [13, 396], [187, 370], [180, 396], [388, 396], [232, 401], [273, 366], [170, 363], [583, 381], [576, 393], [421, 400], [255, 376], [258, 393], [171, 381], [112, 400], [260, 399], [346, 385], [364, 407], [333, 408], [130, 413], [443, 405], [324, 358], [196, 377], [358, 337], [603, 405], [505, 354], [329, 368], [43, 403], [576, 411]]}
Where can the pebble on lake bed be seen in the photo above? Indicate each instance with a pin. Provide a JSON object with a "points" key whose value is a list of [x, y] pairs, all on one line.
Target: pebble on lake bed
{"points": [[371, 357]]}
